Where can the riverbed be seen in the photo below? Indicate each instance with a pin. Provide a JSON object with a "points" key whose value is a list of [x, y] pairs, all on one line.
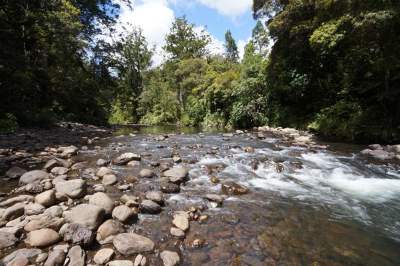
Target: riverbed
{"points": [[305, 205]]}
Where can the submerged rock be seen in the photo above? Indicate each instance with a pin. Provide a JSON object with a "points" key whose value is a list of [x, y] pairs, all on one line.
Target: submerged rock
{"points": [[15, 172], [170, 188]]}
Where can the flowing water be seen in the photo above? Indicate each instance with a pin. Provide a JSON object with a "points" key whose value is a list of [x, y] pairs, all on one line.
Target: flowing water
{"points": [[305, 206]]}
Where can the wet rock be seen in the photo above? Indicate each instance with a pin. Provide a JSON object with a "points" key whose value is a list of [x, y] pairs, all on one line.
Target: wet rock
{"points": [[120, 263], [133, 164], [198, 243], [43, 221], [47, 198], [67, 152], [129, 200], [131, 243], [7, 240], [176, 175], [108, 229], [87, 215], [17, 199], [177, 232], [34, 209], [215, 198], [124, 214], [28, 253], [232, 188], [33, 177], [155, 196], [150, 207], [146, 173], [15, 172], [42, 238], [177, 159], [103, 256], [78, 234], [102, 162], [59, 170], [55, 258], [126, 158], [214, 180], [76, 256], [169, 258], [181, 220], [104, 171], [140, 260], [131, 179], [102, 200], [379, 154], [170, 188], [14, 212], [109, 180], [34, 188], [73, 189], [56, 162]]}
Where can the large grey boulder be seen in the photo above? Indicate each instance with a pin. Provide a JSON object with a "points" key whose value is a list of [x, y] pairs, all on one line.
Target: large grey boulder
{"points": [[15, 172], [88, 215], [47, 198], [131, 243], [7, 240], [73, 189], [102, 200], [176, 175], [78, 234], [76, 256], [150, 207], [33, 177]]}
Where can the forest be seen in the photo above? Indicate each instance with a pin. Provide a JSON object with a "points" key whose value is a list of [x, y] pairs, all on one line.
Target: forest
{"points": [[328, 66]]}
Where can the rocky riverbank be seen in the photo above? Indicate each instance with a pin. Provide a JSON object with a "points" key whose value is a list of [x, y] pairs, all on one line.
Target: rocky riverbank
{"points": [[76, 195]]}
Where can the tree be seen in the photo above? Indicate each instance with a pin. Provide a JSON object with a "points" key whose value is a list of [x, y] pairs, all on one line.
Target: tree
{"points": [[134, 59], [182, 42], [260, 39], [231, 50]]}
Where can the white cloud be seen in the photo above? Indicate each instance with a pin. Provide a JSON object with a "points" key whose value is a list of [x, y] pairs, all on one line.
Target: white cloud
{"points": [[241, 45], [230, 8]]}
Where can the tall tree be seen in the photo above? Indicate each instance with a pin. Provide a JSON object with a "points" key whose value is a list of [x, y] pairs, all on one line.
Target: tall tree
{"points": [[260, 39], [183, 42], [231, 50], [134, 59]]}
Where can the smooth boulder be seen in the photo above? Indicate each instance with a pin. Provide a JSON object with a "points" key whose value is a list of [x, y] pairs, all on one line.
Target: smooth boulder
{"points": [[131, 243], [33, 177]]}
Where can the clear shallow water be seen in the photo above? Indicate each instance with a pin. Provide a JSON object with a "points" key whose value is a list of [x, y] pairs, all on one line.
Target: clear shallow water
{"points": [[305, 206]]}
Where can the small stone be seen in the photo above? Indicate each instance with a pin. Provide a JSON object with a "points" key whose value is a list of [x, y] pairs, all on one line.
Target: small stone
{"points": [[140, 260], [33, 177], [15, 172], [155, 196], [169, 188], [108, 229], [169, 258], [177, 232], [78, 234], [176, 175], [104, 171], [131, 243], [42, 238], [109, 180], [77, 256], [124, 214], [214, 198], [103, 256], [55, 258], [150, 207], [181, 220], [232, 188], [102, 162], [126, 158], [146, 173], [59, 170], [47, 198]]}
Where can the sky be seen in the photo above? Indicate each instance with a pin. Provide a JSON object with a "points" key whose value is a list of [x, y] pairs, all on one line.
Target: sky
{"points": [[155, 17]]}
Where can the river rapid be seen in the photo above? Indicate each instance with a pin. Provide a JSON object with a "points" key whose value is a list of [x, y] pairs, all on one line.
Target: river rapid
{"points": [[306, 205]]}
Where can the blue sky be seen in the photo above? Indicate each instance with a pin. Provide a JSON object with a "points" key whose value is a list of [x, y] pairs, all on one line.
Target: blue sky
{"points": [[155, 17]]}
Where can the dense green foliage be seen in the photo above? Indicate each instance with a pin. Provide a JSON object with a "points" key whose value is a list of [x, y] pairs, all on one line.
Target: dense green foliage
{"points": [[195, 88], [335, 66]]}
